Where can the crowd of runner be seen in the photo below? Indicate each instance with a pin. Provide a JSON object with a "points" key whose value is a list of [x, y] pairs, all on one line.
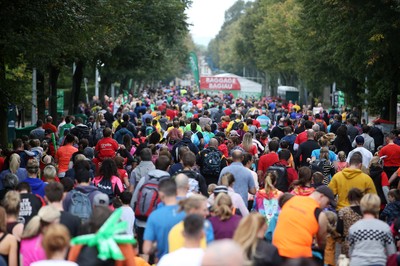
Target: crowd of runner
{"points": [[177, 178]]}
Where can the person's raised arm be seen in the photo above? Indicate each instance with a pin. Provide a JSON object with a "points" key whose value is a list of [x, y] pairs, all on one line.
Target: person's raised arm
{"points": [[322, 230]]}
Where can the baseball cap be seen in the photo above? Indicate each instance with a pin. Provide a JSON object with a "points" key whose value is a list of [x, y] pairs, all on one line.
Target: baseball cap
{"points": [[327, 192], [360, 139], [220, 189], [234, 133], [101, 199]]}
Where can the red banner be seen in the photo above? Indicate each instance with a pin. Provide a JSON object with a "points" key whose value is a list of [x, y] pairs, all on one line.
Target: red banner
{"points": [[219, 83]]}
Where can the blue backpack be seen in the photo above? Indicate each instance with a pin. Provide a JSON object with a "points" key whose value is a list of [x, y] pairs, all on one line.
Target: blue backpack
{"points": [[80, 205], [195, 139]]}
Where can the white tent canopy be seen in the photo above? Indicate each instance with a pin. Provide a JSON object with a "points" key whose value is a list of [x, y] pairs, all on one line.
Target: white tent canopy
{"points": [[246, 85]]}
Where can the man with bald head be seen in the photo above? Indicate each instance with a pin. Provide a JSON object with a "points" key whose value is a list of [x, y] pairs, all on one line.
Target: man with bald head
{"points": [[244, 182], [182, 186], [223, 253], [211, 161], [305, 149]]}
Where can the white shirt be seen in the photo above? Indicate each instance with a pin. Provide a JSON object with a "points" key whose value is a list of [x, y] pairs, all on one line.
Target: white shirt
{"points": [[366, 155], [129, 216], [183, 257]]}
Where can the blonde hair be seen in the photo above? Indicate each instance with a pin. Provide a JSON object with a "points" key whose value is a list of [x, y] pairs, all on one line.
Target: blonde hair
{"points": [[324, 153], [3, 219], [211, 188], [15, 161], [11, 202], [342, 156], [269, 182], [246, 234], [223, 206], [370, 203], [49, 172], [247, 142], [332, 220], [192, 202], [46, 215], [55, 239]]}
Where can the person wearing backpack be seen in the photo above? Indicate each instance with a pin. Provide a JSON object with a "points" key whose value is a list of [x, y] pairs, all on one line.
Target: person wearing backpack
{"points": [[186, 141], [197, 137], [54, 193], [286, 174], [148, 184], [80, 200], [197, 183], [211, 161], [108, 181], [162, 220], [234, 125]]}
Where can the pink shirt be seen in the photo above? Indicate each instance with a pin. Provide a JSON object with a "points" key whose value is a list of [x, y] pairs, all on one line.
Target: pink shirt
{"points": [[32, 250]]}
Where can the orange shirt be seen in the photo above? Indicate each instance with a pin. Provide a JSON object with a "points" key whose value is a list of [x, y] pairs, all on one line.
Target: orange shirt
{"points": [[296, 227], [126, 250], [63, 155]]}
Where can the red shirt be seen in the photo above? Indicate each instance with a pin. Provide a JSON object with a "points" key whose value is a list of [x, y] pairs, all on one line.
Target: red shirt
{"points": [[63, 155], [122, 174], [1, 163], [256, 123], [302, 137], [50, 126], [228, 111], [392, 151], [266, 161], [224, 149], [106, 148], [171, 113], [253, 150]]}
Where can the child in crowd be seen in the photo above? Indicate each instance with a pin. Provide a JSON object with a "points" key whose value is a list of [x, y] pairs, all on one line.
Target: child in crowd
{"points": [[341, 164], [316, 179], [329, 254], [392, 209], [123, 175]]}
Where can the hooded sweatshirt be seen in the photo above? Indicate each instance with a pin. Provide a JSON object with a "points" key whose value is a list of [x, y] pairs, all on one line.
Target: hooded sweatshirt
{"points": [[37, 185], [267, 203], [347, 179]]}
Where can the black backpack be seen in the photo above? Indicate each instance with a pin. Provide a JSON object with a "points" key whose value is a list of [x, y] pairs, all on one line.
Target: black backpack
{"points": [[282, 182], [211, 163], [235, 125], [317, 165]]}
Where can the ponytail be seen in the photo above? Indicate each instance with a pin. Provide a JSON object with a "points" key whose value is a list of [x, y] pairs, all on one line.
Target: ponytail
{"points": [[223, 206], [270, 180]]}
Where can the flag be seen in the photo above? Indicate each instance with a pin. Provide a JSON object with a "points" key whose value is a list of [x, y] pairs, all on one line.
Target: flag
{"points": [[195, 67]]}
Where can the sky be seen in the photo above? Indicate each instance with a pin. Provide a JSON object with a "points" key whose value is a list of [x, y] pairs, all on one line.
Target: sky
{"points": [[207, 17]]}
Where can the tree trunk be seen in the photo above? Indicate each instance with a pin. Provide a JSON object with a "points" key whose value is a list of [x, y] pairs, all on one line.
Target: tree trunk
{"points": [[393, 103], [41, 98], [76, 87], [3, 105], [53, 78]]}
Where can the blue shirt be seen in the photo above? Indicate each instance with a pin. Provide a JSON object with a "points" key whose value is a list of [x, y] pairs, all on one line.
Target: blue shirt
{"points": [[332, 155], [159, 224], [243, 179]]}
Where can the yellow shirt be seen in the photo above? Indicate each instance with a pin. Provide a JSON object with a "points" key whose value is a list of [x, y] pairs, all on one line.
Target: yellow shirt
{"points": [[176, 240], [229, 127]]}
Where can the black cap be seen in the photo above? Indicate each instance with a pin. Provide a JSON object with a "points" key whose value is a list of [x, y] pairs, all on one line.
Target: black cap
{"points": [[326, 191]]}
